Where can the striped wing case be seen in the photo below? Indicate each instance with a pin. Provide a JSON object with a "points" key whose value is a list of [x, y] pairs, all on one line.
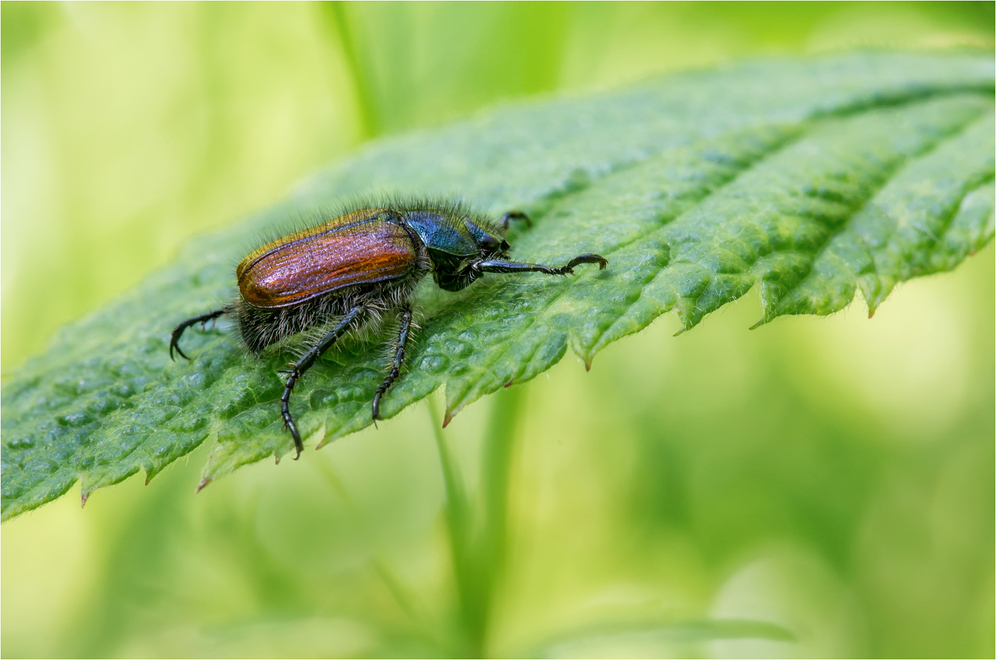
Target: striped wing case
{"points": [[362, 247]]}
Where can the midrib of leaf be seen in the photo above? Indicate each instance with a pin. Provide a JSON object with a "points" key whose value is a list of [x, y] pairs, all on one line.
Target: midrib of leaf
{"points": [[127, 408]]}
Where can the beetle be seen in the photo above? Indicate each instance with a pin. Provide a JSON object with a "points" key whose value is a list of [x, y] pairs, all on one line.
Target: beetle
{"points": [[344, 273]]}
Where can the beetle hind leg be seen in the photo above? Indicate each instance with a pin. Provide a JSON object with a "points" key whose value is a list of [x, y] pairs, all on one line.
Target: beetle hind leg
{"points": [[404, 333], [302, 365], [174, 341]]}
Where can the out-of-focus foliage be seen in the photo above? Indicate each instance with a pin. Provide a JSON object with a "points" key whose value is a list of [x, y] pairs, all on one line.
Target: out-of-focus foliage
{"points": [[831, 476], [851, 171]]}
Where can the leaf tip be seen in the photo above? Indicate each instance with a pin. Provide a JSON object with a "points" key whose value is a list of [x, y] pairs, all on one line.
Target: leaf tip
{"points": [[587, 364], [84, 495], [447, 418], [204, 482], [324, 437], [508, 384]]}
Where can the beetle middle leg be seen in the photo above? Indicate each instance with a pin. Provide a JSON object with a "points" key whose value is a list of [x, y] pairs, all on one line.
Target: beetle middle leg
{"points": [[399, 357], [174, 340], [497, 266], [305, 363]]}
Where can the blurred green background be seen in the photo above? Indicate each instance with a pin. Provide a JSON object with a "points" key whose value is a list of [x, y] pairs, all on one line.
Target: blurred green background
{"points": [[834, 476]]}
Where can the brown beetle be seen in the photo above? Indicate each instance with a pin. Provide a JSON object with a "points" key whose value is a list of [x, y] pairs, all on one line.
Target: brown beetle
{"points": [[344, 273]]}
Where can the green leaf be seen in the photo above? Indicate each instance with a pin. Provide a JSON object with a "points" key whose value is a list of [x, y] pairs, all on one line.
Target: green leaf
{"points": [[810, 179]]}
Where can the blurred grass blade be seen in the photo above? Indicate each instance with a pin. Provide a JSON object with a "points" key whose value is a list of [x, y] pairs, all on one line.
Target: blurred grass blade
{"points": [[336, 17], [457, 512], [810, 179], [651, 638]]}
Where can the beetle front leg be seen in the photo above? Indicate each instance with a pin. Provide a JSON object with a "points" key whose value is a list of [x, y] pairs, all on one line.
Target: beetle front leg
{"points": [[305, 363], [492, 266], [399, 357]]}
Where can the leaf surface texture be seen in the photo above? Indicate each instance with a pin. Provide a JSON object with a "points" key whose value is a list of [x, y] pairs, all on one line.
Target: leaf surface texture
{"points": [[809, 179]]}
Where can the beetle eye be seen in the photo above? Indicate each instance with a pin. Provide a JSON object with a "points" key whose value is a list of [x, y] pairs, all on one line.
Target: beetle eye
{"points": [[505, 246], [490, 243]]}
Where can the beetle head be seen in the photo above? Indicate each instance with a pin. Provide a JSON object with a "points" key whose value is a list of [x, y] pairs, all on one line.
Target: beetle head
{"points": [[489, 243]]}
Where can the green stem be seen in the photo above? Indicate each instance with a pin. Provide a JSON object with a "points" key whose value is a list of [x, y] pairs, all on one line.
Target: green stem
{"points": [[496, 474], [456, 511], [394, 585], [479, 559], [411, 606]]}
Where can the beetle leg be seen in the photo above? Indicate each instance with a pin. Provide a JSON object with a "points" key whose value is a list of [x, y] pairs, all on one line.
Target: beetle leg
{"points": [[514, 215], [178, 330], [305, 363], [399, 358], [492, 266]]}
